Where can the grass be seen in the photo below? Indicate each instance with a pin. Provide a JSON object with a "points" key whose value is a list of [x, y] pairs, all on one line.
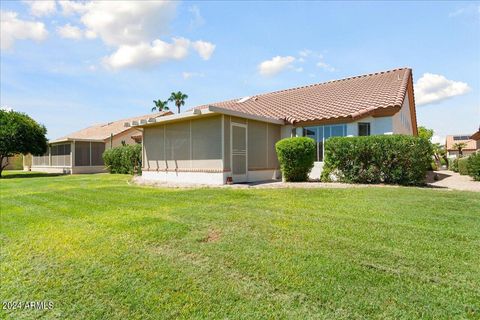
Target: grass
{"points": [[99, 248]]}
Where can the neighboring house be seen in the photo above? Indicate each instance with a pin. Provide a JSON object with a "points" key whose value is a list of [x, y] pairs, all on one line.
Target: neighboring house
{"points": [[236, 138], [81, 151], [14, 163], [452, 151], [476, 137]]}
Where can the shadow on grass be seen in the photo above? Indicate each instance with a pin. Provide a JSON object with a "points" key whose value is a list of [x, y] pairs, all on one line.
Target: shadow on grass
{"points": [[29, 175]]}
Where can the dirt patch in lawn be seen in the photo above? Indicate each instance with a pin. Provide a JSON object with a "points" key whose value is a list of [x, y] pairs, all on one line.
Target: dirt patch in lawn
{"points": [[213, 236]]}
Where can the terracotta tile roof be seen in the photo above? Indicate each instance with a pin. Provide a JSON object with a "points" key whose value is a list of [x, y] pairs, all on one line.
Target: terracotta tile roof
{"points": [[353, 97], [476, 136], [104, 130], [471, 144]]}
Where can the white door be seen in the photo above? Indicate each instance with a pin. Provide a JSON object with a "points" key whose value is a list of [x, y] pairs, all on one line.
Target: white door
{"points": [[238, 143]]}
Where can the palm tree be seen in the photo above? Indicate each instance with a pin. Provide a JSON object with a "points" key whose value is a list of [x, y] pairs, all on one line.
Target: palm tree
{"points": [[459, 146], [160, 105], [178, 98]]}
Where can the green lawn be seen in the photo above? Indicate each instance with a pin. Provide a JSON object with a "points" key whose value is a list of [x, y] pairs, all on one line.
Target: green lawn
{"points": [[99, 248]]}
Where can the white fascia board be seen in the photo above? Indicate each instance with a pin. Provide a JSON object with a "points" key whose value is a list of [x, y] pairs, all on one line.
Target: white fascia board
{"points": [[175, 117], [74, 139]]}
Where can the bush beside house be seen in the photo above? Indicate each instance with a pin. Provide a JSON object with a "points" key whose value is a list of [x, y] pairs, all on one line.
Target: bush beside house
{"points": [[125, 159], [296, 157], [390, 159], [462, 166], [473, 166]]}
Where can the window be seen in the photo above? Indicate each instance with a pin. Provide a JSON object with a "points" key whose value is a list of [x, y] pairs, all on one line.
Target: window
{"points": [[364, 128], [322, 133]]}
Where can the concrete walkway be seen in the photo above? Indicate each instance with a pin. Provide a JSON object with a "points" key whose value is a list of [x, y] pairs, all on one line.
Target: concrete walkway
{"points": [[452, 180]]}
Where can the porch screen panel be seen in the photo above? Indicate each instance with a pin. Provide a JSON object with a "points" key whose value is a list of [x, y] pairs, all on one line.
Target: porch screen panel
{"points": [[239, 150], [54, 150], [66, 156], [178, 141], [82, 154], [257, 144], [97, 151], [40, 160], [273, 137], [226, 140], [154, 145], [207, 138], [60, 155]]}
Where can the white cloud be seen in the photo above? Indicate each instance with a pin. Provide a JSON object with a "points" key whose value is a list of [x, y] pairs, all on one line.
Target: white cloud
{"points": [[72, 7], [70, 32], [13, 29], [204, 49], [325, 66], [197, 20], [305, 53], [42, 8], [134, 30], [433, 88], [122, 23], [275, 65], [145, 54], [188, 75]]}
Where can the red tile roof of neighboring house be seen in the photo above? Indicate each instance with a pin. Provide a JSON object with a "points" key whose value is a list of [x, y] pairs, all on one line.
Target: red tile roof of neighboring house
{"points": [[476, 136], [104, 130], [345, 99], [450, 142]]}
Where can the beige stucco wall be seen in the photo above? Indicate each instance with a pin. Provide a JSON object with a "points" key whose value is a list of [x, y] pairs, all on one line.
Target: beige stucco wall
{"points": [[124, 136], [187, 145], [402, 120]]}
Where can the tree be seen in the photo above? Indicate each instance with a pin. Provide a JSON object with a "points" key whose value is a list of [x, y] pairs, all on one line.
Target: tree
{"points": [[425, 133], [460, 146], [20, 134], [160, 105], [178, 98]]}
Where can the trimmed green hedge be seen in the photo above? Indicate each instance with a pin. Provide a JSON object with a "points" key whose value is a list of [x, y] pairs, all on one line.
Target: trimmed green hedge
{"points": [[296, 157], [124, 159], [453, 164], [462, 166], [390, 159], [473, 166]]}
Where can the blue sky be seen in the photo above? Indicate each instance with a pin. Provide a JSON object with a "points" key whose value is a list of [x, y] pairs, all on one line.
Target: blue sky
{"points": [[66, 67]]}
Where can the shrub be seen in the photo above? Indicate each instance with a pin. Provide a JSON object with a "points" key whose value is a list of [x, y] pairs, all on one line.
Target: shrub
{"points": [[453, 164], [462, 166], [296, 156], [443, 162], [391, 159], [123, 159], [473, 166], [433, 166]]}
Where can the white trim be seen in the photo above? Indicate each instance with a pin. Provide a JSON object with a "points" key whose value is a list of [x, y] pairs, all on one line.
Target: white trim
{"points": [[75, 139]]}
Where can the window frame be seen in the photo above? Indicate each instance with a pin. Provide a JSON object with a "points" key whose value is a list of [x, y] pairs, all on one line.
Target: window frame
{"points": [[369, 129], [320, 132]]}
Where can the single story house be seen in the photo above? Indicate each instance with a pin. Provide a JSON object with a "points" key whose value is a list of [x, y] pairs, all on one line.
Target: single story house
{"points": [[81, 151], [235, 139], [469, 148], [476, 137]]}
